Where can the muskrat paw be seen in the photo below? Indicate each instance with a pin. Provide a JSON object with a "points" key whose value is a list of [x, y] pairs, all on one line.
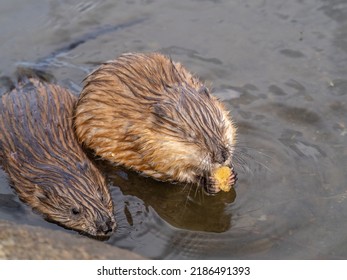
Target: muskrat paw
{"points": [[233, 178]]}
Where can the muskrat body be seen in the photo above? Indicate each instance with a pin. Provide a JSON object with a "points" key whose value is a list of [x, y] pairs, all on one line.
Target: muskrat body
{"points": [[148, 113], [45, 163]]}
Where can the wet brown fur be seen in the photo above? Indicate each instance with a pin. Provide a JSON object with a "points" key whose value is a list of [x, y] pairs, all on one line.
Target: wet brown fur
{"points": [[148, 113], [46, 165]]}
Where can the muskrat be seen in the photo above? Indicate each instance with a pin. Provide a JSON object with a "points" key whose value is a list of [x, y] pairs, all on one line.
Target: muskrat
{"points": [[47, 167], [148, 113]]}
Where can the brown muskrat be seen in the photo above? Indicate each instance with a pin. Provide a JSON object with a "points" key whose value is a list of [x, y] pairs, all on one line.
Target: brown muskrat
{"points": [[148, 113], [47, 167]]}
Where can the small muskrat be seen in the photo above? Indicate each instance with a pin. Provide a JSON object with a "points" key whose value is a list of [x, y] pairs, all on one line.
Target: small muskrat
{"points": [[47, 167], [148, 113]]}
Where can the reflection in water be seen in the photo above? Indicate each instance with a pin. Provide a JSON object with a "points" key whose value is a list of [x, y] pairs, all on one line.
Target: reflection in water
{"points": [[279, 69], [186, 207]]}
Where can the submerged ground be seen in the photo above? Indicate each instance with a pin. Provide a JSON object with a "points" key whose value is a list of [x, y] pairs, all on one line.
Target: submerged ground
{"points": [[280, 67]]}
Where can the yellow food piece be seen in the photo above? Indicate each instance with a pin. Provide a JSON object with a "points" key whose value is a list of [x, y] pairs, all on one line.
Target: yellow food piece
{"points": [[221, 177]]}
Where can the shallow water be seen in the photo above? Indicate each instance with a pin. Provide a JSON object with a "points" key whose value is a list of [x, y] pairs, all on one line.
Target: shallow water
{"points": [[280, 67]]}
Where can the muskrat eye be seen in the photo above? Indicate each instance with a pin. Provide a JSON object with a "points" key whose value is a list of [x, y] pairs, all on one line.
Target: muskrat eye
{"points": [[75, 211]]}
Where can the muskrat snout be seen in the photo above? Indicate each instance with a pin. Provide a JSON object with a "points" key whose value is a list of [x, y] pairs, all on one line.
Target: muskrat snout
{"points": [[105, 227]]}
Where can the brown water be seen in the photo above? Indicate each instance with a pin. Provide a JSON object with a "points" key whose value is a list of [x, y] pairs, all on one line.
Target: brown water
{"points": [[281, 68]]}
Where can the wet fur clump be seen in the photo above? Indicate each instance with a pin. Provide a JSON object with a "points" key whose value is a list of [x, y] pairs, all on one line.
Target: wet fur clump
{"points": [[47, 167], [148, 113]]}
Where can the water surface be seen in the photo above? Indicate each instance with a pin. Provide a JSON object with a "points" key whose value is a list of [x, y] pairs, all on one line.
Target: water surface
{"points": [[279, 66]]}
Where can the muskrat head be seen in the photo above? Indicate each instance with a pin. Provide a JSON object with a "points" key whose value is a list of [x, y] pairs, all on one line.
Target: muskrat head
{"points": [[48, 168], [148, 113], [78, 202], [197, 139]]}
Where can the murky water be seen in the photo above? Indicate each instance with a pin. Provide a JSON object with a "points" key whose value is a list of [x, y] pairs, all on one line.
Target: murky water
{"points": [[281, 68]]}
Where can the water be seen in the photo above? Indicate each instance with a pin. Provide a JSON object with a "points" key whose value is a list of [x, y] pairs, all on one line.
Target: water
{"points": [[279, 66]]}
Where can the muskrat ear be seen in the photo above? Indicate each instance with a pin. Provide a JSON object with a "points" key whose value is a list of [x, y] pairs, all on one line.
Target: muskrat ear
{"points": [[39, 192], [161, 112], [41, 197]]}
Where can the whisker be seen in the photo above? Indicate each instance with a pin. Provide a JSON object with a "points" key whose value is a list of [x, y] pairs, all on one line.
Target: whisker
{"points": [[189, 186], [241, 152], [257, 162], [184, 188], [239, 162], [245, 146], [196, 192]]}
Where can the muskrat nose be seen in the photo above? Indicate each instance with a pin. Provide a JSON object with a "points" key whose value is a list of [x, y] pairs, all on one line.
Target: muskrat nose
{"points": [[106, 227]]}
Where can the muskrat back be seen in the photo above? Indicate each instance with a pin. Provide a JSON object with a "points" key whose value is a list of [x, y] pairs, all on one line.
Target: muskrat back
{"points": [[148, 113], [46, 165]]}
